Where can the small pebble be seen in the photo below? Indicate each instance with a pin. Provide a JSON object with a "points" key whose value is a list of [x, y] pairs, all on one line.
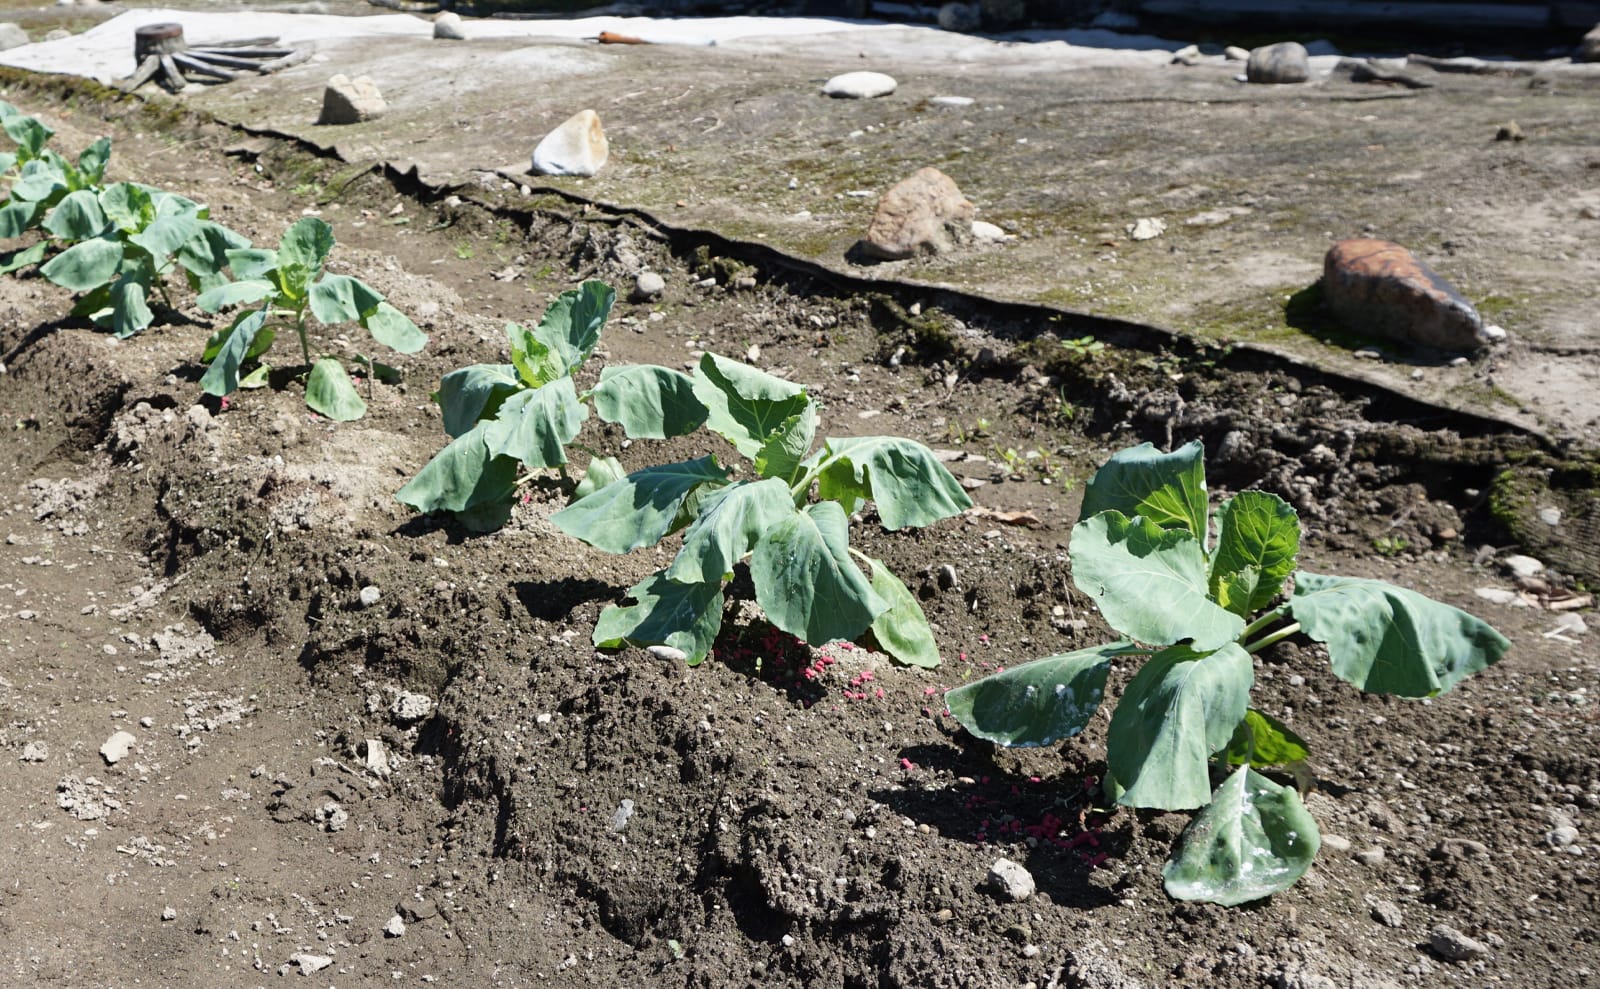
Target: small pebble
{"points": [[1011, 880], [168, 913], [35, 752], [395, 927], [370, 596], [1370, 856], [1387, 914], [1562, 836]]}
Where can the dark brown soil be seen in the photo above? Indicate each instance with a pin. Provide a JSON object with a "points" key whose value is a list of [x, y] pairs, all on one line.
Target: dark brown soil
{"points": [[198, 565]]}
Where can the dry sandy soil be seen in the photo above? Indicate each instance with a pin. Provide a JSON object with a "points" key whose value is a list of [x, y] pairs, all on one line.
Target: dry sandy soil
{"points": [[191, 573]]}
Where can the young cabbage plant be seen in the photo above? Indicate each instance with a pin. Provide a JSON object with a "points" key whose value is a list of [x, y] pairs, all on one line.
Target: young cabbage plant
{"points": [[115, 244], [290, 285], [806, 577], [1193, 612], [504, 418]]}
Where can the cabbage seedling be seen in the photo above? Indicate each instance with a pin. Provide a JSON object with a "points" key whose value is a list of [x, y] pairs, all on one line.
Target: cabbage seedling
{"points": [[291, 284], [1193, 612], [787, 512]]}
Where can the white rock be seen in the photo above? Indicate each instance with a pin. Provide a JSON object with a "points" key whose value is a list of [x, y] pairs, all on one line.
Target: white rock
{"points": [[648, 286], [370, 596], [12, 35], [1234, 53], [577, 147], [395, 927], [623, 814], [59, 34], [447, 27], [377, 759], [1567, 623], [1549, 515], [952, 101], [116, 747], [859, 85], [35, 752], [1011, 880], [168, 913], [408, 707], [667, 653], [1522, 566], [1495, 333], [351, 101], [1499, 595], [309, 963], [1146, 228], [988, 233]]}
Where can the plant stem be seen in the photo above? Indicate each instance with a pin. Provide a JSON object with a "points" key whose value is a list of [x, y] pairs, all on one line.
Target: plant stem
{"points": [[1262, 622], [1279, 635], [300, 328]]}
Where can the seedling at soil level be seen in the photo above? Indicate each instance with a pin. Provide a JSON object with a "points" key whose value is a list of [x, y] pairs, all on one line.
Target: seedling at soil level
{"points": [[290, 283], [1193, 613], [115, 244], [806, 577]]}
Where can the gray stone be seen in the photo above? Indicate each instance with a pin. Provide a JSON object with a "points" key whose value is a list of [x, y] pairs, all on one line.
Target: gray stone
{"points": [[310, 964], [952, 101], [12, 36], [35, 752], [351, 101], [1460, 848], [947, 578], [1010, 880], [669, 653], [1379, 288], [577, 147], [116, 747], [1234, 53], [1562, 836], [447, 27], [859, 85], [1386, 913], [169, 914], [1549, 515], [960, 17], [923, 214], [648, 286], [416, 911], [1371, 857], [1284, 62], [370, 595], [1452, 945], [394, 927], [59, 34], [622, 815]]}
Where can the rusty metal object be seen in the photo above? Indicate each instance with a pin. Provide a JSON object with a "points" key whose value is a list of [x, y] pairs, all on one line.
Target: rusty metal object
{"points": [[162, 54]]}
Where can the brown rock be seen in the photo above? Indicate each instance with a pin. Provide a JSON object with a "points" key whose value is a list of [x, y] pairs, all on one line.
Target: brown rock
{"points": [[1379, 288], [923, 214]]}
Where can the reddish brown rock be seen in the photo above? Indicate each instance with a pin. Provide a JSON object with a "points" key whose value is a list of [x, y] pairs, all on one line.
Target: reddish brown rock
{"points": [[924, 214], [1379, 288]]}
